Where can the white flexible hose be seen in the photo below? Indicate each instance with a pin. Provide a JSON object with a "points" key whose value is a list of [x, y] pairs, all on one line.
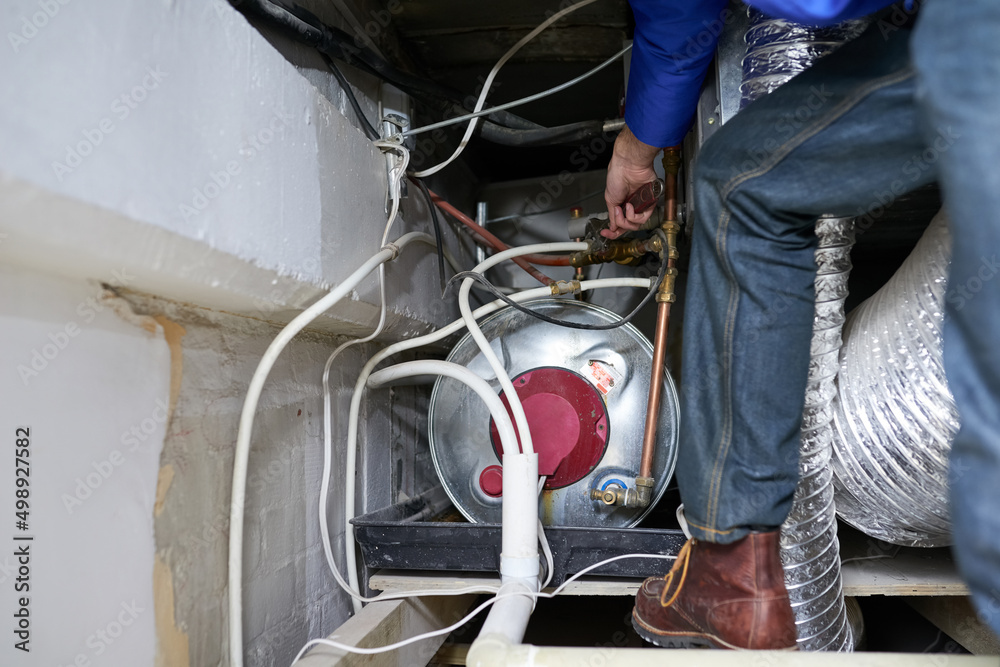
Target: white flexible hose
{"points": [[516, 103], [489, 82], [350, 560], [520, 419], [395, 177], [242, 452], [505, 428]]}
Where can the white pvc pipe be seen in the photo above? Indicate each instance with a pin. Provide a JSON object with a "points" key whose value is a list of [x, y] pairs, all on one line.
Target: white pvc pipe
{"points": [[519, 537], [350, 464], [508, 617], [497, 651], [505, 428], [242, 452]]}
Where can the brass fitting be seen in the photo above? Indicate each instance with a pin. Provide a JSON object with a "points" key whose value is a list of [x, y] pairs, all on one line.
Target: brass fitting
{"points": [[671, 229], [666, 293], [644, 490], [565, 287], [621, 252], [672, 160], [638, 498], [611, 496]]}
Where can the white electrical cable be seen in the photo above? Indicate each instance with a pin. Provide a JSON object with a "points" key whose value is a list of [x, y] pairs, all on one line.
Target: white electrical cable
{"points": [[505, 428], [395, 177], [516, 103], [520, 419], [242, 452], [492, 75], [454, 626], [350, 559]]}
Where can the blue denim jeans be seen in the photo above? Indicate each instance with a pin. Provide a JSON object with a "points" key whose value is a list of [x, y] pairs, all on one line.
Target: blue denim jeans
{"points": [[864, 125]]}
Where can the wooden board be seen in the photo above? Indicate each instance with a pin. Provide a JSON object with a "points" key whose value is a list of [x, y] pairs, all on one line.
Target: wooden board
{"points": [[383, 623], [908, 573], [956, 617]]}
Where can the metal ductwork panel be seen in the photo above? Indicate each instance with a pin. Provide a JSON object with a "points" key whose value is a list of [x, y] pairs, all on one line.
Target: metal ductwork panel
{"points": [[584, 393], [894, 416]]}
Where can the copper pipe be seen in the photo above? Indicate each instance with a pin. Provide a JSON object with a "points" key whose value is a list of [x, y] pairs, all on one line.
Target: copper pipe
{"points": [[671, 156], [493, 241], [655, 390], [671, 162]]}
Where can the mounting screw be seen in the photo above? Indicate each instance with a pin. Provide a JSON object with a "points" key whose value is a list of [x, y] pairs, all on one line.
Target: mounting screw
{"points": [[611, 382]]}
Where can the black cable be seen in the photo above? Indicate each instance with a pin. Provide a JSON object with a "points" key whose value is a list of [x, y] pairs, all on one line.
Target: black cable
{"points": [[573, 133], [368, 128], [478, 277], [437, 230], [505, 127]]}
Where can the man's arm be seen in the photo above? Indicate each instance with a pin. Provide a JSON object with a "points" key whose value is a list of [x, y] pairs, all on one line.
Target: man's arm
{"points": [[673, 46]]}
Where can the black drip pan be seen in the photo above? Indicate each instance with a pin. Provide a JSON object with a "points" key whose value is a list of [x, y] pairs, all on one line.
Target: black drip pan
{"points": [[396, 538]]}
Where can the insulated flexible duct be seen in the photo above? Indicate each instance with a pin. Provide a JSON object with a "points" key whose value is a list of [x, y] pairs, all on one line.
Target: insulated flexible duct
{"points": [[778, 50], [893, 414], [810, 551]]}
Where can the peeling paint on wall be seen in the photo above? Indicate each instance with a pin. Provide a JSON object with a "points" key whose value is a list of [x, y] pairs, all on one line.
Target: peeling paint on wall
{"points": [[171, 643], [173, 333]]}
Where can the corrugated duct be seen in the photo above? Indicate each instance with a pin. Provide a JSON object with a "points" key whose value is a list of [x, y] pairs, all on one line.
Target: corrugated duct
{"points": [[778, 50], [893, 414]]}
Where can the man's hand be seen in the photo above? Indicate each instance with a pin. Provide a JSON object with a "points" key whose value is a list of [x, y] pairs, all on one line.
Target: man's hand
{"points": [[631, 167]]}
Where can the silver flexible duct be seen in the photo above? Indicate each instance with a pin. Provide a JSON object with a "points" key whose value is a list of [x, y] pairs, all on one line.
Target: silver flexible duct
{"points": [[810, 551], [778, 50], [893, 414]]}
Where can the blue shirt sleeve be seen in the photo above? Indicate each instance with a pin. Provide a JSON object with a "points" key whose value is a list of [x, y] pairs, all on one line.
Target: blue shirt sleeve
{"points": [[819, 12], [673, 46]]}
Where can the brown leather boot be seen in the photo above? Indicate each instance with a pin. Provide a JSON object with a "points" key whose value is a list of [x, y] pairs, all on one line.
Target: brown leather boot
{"points": [[721, 595]]}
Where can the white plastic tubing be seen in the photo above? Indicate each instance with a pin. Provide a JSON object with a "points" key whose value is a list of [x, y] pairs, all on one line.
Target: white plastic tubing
{"points": [[242, 454], [505, 427], [350, 463]]}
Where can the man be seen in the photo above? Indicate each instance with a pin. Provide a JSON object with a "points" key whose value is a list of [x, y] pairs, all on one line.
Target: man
{"points": [[759, 185]]}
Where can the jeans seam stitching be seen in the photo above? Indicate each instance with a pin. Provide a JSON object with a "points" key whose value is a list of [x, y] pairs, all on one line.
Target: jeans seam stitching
{"points": [[849, 103], [835, 115]]}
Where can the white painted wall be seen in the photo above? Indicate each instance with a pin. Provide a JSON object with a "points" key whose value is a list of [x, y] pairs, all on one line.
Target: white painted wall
{"points": [[91, 382], [116, 118]]}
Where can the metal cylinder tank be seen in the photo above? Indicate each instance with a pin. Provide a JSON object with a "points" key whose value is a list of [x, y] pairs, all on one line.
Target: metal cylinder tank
{"points": [[584, 393]]}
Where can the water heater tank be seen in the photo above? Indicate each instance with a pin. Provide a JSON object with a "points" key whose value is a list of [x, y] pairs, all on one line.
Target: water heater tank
{"points": [[584, 393]]}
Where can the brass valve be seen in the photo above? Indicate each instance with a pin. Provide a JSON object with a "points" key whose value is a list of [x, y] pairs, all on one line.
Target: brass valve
{"points": [[636, 498], [622, 252]]}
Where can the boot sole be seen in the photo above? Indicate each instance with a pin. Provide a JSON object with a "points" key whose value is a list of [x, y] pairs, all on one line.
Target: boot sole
{"points": [[671, 640], [684, 640]]}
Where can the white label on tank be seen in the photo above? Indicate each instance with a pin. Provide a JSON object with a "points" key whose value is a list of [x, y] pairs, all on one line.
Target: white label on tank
{"points": [[602, 375]]}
